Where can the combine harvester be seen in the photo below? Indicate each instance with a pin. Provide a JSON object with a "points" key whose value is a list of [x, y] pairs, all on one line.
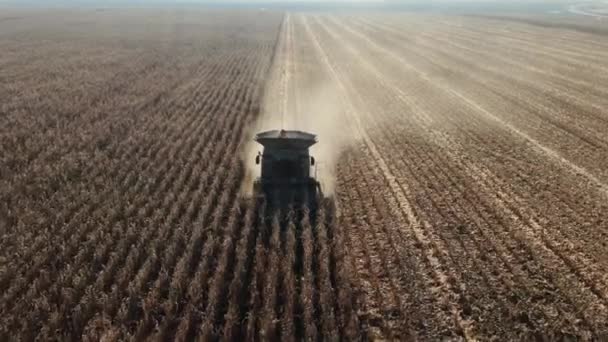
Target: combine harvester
{"points": [[286, 179]]}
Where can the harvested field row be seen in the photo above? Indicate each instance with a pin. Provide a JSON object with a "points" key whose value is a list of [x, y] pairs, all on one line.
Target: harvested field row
{"points": [[492, 184]]}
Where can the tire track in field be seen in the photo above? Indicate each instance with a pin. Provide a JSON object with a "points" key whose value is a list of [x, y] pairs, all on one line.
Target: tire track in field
{"points": [[446, 57], [393, 87], [562, 80], [564, 204], [564, 52], [552, 154], [579, 118], [557, 37], [279, 102], [534, 230], [588, 99], [400, 193], [286, 71], [445, 145], [561, 36], [293, 72]]}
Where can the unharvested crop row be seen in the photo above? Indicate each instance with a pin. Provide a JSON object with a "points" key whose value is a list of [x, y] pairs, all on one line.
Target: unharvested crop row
{"points": [[131, 150], [134, 189], [176, 212], [224, 159], [115, 258], [137, 231]]}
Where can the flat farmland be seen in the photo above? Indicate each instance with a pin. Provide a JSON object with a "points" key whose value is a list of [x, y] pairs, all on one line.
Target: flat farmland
{"points": [[474, 203], [464, 162]]}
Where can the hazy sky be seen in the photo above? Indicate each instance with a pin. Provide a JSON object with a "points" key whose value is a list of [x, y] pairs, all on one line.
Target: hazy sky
{"points": [[505, 2], [426, 3], [404, 1]]}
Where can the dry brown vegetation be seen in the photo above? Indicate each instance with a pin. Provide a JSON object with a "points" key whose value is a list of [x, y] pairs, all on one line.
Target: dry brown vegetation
{"points": [[120, 172], [470, 204]]}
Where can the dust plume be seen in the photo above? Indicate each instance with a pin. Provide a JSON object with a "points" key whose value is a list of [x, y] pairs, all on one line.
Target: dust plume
{"points": [[320, 111]]}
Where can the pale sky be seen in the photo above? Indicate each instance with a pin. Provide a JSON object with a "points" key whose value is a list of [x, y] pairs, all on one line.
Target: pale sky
{"points": [[468, 3]]}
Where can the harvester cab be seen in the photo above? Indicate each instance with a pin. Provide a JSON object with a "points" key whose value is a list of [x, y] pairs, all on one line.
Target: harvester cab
{"points": [[286, 169]]}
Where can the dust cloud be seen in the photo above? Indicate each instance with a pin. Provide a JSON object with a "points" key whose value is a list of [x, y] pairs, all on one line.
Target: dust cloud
{"points": [[315, 109]]}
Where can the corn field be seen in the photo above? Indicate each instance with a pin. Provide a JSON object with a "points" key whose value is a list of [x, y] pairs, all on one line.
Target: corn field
{"points": [[467, 197]]}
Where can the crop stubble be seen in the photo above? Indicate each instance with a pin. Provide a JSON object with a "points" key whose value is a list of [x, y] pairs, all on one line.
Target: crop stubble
{"points": [[492, 174]]}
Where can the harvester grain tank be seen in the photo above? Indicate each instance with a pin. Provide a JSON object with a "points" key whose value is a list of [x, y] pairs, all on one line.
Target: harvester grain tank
{"points": [[286, 177]]}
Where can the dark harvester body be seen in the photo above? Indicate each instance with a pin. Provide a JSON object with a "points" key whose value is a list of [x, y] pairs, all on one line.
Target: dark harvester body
{"points": [[286, 163]]}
